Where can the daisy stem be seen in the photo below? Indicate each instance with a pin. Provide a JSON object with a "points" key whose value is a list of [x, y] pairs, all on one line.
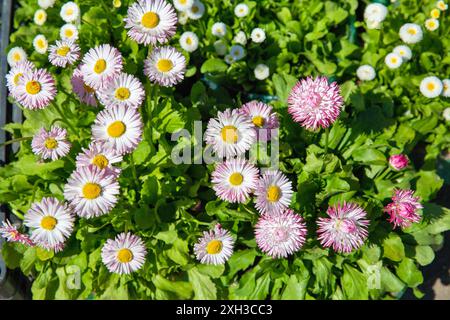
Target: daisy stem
{"points": [[327, 133], [63, 118], [87, 22], [15, 140], [133, 170], [18, 214], [386, 171]]}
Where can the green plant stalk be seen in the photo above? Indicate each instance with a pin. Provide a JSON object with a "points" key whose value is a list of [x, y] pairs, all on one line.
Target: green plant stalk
{"points": [[327, 134], [72, 128], [14, 141]]}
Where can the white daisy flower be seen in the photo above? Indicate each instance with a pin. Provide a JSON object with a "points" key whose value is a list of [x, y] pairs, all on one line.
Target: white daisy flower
{"points": [[393, 60], [432, 24], [221, 47], [229, 59], [446, 114], [241, 10], [15, 74], [262, 71], [375, 12], [36, 89], [91, 192], [124, 91], [237, 52], [15, 56], [441, 5], [273, 193], [403, 51], [219, 29], [151, 22], [125, 254], [40, 44], [68, 32], [101, 65], [183, 5], [45, 4], [435, 13], [120, 128], [366, 73], [51, 222], [70, 11], [40, 16], [234, 180], [230, 134], [196, 11], [63, 53], [99, 155], [165, 66], [258, 35], [411, 33], [183, 17], [446, 88], [189, 41], [51, 144], [431, 87], [215, 247], [240, 38]]}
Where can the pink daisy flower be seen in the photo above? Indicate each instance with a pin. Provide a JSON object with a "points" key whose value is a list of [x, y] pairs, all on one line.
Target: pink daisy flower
{"points": [[36, 89], [51, 144], [15, 75], [234, 180], [262, 117], [11, 234], [124, 91], [345, 229], [215, 247], [273, 192], [398, 161], [100, 156], [314, 103], [281, 234], [85, 93], [403, 210], [63, 52]]}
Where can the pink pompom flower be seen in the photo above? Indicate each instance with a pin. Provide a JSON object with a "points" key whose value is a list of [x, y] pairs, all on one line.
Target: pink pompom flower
{"points": [[398, 161], [403, 210]]}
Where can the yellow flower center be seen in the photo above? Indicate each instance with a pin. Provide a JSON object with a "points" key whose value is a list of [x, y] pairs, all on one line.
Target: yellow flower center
{"points": [[88, 89], [124, 255], [40, 43], [150, 20], [229, 134], [116, 129], [164, 65], [236, 179], [402, 53], [69, 11], [394, 60], [431, 86], [63, 51], [51, 143], [122, 93], [412, 31], [100, 66], [17, 78], [183, 1], [91, 190], [258, 121], [68, 33], [48, 223], [117, 3], [100, 161], [189, 41], [273, 193], [195, 9], [33, 87], [214, 247], [40, 16], [435, 13], [17, 57]]}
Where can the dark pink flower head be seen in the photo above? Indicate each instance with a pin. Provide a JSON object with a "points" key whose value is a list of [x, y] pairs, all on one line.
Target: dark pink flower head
{"points": [[11, 234], [398, 161], [314, 103], [403, 210], [345, 229]]}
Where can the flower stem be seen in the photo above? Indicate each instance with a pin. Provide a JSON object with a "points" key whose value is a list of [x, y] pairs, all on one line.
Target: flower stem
{"points": [[15, 140], [327, 134], [133, 170], [63, 118], [18, 214]]}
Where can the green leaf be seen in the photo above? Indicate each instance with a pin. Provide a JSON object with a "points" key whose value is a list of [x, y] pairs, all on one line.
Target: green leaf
{"points": [[261, 288], [424, 255], [409, 273], [12, 253], [393, 248], [28, 260], [43, 254], [179, 252], [241, 260], [428, 184], [390, 282], [354, 284], [213, 65], [204, 288], [181, 289], [369, 156], [295, 287]]}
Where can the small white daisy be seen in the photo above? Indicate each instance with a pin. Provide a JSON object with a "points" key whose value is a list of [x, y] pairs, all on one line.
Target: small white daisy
{"points": [[366, 73], [165, 66], [63, 53], [432, 24], [230, 134], [441, 5], [124, 91], [68, 32], [125, 254], [403, 51], [183, 17], [435, 13], [273, 193], [183, 5], [51, 222], [237, 52], [189, 41], [40, 16], [120, 128], [15, 56], [196, 11], [411, 33], [229, 59], [431, 87], [258, 35], [262, 71], [70, 11], [45, 4], [40, 44], [219, 29], [91, 192], [52, 144], [241, 10], [375, 12], [446, 88], [101, 65], [240, 38], [393, 60], [221, 47], [215, 247], [15, 74]]}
